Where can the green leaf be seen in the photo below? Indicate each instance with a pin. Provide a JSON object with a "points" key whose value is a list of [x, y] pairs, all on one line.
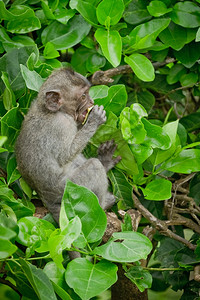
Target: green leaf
{"points": [[176, 36], [66, 36], [12, 172], [95, 62], [8, 95], [141, 66], [112, 9], [39, 281], [189, 54], [98, 91], [116, 99], [186, 162], [189, 79], [136, 12], [175, 73], [140, 277], [86, 9], [141, 152], [92, 278], [143, 36], [156, 136], [33, 80], [158, 8], [50, 51], [82, 202], [146, 99], [186, 14], [125, 247], [21, 18], [159, 189], [6, 248], [191, 122], [122, 189], [111, 45]]}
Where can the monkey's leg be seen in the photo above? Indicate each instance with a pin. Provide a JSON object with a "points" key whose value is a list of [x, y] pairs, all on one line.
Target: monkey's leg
{"points": [[92, 175], [105, 155]]}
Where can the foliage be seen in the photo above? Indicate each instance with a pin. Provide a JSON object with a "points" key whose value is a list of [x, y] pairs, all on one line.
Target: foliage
{"points": [[152, 114]]}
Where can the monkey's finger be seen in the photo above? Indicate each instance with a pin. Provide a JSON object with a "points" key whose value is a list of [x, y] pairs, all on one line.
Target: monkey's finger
{"points": [[117, 159]]}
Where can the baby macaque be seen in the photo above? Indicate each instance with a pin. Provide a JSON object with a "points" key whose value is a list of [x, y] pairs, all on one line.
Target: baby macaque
{"points": [[49, 147]]}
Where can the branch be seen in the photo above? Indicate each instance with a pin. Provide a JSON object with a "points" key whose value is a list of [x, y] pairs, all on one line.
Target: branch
{"points": [[159, 224], [104, 77]]}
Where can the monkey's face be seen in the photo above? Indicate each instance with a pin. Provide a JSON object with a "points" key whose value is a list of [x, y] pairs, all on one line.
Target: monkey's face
{"points": [[84, 103]]}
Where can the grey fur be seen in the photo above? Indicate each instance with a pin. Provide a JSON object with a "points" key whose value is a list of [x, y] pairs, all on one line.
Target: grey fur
{"points": [[48, 149]]}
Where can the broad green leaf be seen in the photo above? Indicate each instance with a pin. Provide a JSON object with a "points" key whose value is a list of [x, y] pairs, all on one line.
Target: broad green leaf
{"points": [[3, 139], [158, 8], [63, 15], [57, 243], [110, 9], [186, 162], [198, 35], [50, 51], [25, 187], [35, 232], [109, 131], [186, 14], [6, 248], [156, 136], [82, 202], [95, 62], [33, 80], [92, 278], [159, 189], [175, 73], [191, 122], [143, 36], [141, 66], [66, 36], [140, 277], [98, 91], [125, 247], [12, 172], [145, 98], [86, 9], [141, 152], [10, 126], [122, 189], [189, 79], [111, 45], [8, 95], [116, 99], [189, 54], [39, 281], [136, 12], [6, 233], [79, 59], [176, 36], [56, 276], [21, 18]]}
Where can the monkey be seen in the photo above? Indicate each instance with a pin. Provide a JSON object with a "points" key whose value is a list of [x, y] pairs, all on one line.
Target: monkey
{"points": [[52, 138]]}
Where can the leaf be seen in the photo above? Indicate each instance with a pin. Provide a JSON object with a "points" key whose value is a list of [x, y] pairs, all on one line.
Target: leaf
{"points": [[141, 66], [110, 9], [111, 45], [191, 122], [158, 8], [186, 162], [125, 247], [33, 80], [189, 79], [186, 14], [12, 172], [122, 189], [6, 248], [140, 277], [136, 12], [39, 281], [50, 52], [86, 9], [98, 91], [93, 279], [80, 201], [66, 36], [175, 73], [141, 152], [159, 189], [8, 95], [189, 54]]}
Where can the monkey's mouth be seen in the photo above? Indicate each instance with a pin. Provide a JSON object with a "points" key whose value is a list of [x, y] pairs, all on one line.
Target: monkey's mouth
{"points": [[84, 115]]}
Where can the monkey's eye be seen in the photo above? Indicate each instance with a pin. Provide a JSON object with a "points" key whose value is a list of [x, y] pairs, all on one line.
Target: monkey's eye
{"points": [[83, 96]]}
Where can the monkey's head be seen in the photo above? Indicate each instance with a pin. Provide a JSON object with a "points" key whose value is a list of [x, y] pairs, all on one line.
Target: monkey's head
{"points": [[68, 92]]}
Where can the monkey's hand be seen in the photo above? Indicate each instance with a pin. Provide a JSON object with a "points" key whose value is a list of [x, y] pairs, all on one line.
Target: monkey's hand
{"points": [[105, 155], [97, 116]]}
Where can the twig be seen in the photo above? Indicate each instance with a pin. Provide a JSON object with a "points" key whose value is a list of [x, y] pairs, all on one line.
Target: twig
{"points": [[159, 224]]}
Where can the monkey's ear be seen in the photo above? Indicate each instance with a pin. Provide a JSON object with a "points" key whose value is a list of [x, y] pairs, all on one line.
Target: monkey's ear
{"points": [[53, 101]]}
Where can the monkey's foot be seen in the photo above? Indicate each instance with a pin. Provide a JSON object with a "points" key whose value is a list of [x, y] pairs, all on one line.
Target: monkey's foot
{"points": [[105, 155]]}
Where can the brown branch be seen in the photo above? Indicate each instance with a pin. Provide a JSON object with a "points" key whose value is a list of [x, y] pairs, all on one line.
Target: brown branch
{"points": [[104, 77], [159, 224]]}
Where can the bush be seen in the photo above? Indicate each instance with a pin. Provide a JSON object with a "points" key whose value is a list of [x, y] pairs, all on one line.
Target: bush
{"points": [[148, 54]]}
